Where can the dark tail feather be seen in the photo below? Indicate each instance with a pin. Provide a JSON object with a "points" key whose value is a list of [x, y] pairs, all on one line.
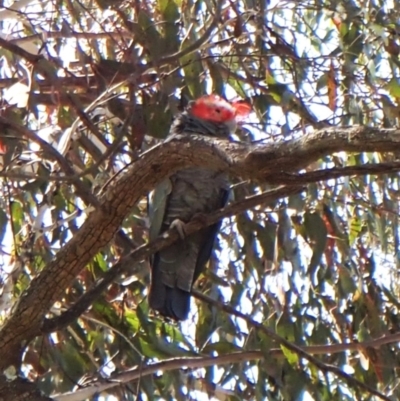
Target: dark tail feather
{"points": [[177, 303], [170, 302]]}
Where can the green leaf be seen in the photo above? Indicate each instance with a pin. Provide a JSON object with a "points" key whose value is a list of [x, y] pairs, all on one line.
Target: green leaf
{"points": [[222, 347], [101, 262], [346, 282], [290, 356], [148, 34], [170, 14], [355, 226], [193, 70], [393, 87], [17, 215]]}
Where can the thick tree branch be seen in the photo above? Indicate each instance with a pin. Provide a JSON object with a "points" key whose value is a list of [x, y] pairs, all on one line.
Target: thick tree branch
{"points": [[336, 172], [280, 178], [248, 161], [20, 389]]}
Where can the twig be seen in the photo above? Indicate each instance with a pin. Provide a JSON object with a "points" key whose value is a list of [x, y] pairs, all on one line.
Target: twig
{"points": [[351, 381], [167, 365], [198, 43]]}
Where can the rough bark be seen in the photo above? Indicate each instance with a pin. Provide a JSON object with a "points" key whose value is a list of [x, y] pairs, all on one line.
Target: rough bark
{"points": [[20, 390]]}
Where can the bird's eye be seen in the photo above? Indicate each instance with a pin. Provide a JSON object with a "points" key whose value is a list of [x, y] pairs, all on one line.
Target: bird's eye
{"points": [[218, 110]]}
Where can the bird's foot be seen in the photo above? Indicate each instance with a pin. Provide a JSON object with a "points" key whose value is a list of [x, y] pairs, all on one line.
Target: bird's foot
{"points": [[179, 225]]}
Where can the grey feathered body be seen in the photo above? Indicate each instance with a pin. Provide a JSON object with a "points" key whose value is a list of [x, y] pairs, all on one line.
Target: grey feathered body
{"points": [[182, 196]]}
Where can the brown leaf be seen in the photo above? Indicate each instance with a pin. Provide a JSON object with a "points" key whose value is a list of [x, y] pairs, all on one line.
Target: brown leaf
{"points": [[238, 28], [392, 48], [337, 21], [332, 88]]}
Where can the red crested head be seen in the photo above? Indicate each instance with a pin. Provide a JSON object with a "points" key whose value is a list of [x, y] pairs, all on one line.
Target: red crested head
{"points": [[216, 109]]}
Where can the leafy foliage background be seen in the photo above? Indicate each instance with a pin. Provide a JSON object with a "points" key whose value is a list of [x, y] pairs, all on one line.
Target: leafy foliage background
{"points": [[100, 81]]}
